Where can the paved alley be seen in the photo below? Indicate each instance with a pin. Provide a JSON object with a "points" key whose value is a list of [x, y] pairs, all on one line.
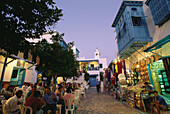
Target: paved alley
{"points": [[103, 104]]}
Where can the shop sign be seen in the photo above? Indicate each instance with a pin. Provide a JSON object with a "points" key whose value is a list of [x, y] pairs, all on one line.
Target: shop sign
{"points": [[44, 78], [40, 77]]}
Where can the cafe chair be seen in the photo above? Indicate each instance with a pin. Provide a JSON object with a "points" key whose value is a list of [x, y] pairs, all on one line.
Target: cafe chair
{"points": [[24, 109], [69, 105], [58, 108]]}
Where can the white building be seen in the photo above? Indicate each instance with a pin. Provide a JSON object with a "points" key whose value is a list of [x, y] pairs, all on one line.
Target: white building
{"points": [[76, 51], [93, 66], [18, 70]]}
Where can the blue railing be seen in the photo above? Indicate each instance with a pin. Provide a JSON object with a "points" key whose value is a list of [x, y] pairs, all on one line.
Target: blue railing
{"points": [[92, 68]]}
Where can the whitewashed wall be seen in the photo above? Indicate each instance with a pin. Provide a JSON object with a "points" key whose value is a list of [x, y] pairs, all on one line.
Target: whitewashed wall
{"points": [[156, 32], [30, 75], [104, 62]]}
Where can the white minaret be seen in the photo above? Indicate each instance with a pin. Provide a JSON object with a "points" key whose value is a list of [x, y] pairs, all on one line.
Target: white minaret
{"points": [[97, 54]]}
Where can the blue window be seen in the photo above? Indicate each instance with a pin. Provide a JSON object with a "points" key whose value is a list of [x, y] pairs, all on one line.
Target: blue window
{"points": [[101, 65], [160, 10], [136, 21], [134, 9]]}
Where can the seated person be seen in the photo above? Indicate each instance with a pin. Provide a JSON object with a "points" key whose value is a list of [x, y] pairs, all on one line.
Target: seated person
{"points": [[40, 87], [3, 90], [73, 90], [29, 87], [34, 88], [69, 96], [148, 87], [9, 92], [34, 102], [159, 102], [50, 100], [60, 93], [11, 105], [24, 87]]}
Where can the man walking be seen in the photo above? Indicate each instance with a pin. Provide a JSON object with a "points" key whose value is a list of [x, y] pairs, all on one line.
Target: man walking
{"points": [[98, 85]]}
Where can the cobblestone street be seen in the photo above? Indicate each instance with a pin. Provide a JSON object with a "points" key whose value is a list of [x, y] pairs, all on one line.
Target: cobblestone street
{"points": [[103, 104]]}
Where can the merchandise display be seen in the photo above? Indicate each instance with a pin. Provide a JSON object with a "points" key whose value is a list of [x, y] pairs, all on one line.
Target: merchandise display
{"points": [[159, 78], [130, 98], [122, 85], [133, 95], [143, 71], [121, 91], [165, 89]]}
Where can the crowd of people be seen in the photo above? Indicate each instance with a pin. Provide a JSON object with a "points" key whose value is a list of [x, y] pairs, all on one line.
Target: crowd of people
{"points": [[39, 97]]}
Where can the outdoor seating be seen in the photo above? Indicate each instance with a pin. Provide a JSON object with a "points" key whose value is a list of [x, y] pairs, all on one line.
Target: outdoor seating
{"points": [[83, 92], [58, 108], [25, 92], [69, 106], [1, 99], [3, 106], [42, 92], [76, 97], [20, 107], [16, 89], [162, 111], [24, 109], [79, 91]]}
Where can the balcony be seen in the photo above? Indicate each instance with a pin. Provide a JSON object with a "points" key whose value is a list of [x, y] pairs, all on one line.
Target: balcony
{"points": [[131, 28], [92, 68], [160, 10]]}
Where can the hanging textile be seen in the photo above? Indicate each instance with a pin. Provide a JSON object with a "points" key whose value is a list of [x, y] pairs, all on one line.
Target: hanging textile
{"points": [[108, 74], [123, 66], [116, 68], [119, 67]]}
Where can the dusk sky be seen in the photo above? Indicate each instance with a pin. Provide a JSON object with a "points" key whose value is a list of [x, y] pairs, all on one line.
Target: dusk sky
{"points": [[88, 24]]}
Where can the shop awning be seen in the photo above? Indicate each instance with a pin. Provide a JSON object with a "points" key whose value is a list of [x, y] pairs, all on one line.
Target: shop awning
{"points": [[132, 47], [158, 44]]}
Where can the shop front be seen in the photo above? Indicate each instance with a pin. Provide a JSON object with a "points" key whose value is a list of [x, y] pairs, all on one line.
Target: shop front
{"points": [[159, 70], [154, 69]]}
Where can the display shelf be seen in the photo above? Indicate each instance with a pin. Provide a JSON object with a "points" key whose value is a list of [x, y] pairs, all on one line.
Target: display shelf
{"points": [[164, 84]]}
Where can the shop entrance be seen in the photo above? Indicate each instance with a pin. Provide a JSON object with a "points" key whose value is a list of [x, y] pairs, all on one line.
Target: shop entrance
{"points": [[18, 76], [92, 80], [159, 77]]}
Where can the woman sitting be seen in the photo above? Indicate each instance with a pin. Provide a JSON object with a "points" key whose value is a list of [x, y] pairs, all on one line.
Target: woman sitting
{"points": [[34, 102]]}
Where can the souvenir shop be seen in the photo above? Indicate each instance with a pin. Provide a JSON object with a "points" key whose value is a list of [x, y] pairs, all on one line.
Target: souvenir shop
{"points": [[154, 69]]}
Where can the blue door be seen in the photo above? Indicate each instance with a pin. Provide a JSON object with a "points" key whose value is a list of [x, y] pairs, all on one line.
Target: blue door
{"points": [[18, 76], [92, 81]]}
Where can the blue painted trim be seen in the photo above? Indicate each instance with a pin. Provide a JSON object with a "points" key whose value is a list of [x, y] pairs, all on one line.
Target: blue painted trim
{"points": [[122, 8], [23, 78], [150, 75], [158, 44], [93, 75], [132, 42], [77, 50], [147, 2], [18, 76], [89, 60]]}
